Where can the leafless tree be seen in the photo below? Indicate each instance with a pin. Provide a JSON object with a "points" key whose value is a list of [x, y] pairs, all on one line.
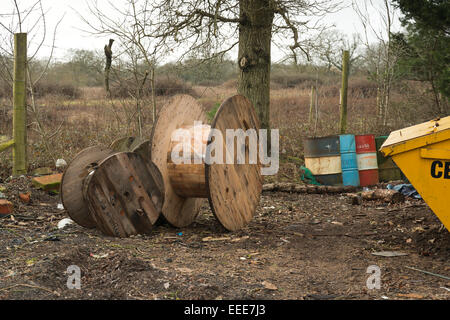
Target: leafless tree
{"points": [[250, 25], [381, 56], [330, 46], [129, 22]]}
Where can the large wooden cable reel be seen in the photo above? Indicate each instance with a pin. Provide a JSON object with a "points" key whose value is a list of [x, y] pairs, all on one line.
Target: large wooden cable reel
{"points": [[120, 193], [233, 190]]}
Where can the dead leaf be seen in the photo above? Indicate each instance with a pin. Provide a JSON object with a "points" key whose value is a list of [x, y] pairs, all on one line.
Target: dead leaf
{"points": [[337, 223], [408, 240], [269, 286]]}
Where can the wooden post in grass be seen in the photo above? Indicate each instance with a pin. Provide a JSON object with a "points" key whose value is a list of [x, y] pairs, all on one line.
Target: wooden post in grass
{"points": [[343, 95], [311, 104], [20, 105]]}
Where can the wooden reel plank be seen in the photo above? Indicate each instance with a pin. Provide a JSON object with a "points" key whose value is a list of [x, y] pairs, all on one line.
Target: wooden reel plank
{"points": [[234, 189], [125, 195], [72, 183], [180, 111]]}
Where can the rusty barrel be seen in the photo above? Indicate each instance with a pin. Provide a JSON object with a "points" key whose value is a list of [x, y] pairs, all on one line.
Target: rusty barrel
{"points": [[387, 169], [323, 158], [366, 156]]}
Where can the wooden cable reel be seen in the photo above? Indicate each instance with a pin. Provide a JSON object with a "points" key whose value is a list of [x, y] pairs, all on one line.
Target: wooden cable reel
{"points": [[120, 193], [233, 190]]}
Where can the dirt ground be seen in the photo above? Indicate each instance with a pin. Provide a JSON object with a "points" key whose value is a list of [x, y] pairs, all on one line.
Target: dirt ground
{"points": [[298, 246]]}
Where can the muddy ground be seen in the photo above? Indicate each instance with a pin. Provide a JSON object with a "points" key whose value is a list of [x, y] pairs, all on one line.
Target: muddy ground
{"points": [[298, 246]]}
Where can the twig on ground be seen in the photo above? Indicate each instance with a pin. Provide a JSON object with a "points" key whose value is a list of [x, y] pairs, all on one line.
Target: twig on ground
{"points": [[430, 273]]}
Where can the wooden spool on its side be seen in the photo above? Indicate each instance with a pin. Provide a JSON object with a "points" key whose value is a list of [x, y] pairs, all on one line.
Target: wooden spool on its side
{"points": [[120, 193], [72, 183], [233, 190], [124, 195]]}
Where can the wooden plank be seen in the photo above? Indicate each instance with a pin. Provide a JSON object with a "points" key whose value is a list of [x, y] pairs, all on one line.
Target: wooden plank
{"points": [[72, 183], [124, 196], [234, 189]]}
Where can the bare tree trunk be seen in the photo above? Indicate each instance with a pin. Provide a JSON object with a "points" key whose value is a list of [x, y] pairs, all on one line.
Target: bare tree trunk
{"points": [[255, 34], [108, 54]]}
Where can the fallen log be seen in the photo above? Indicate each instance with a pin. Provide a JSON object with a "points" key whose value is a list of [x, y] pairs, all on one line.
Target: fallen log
{"points": [[301, 188], [389, 196]]}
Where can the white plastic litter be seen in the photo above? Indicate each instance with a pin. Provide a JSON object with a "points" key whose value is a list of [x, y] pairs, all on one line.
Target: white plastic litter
{"points": [[60, 163], [64, 222], [60, 206]]}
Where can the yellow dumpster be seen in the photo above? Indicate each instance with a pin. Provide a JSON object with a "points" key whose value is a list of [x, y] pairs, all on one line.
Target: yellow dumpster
{"points": [[423, 154]]}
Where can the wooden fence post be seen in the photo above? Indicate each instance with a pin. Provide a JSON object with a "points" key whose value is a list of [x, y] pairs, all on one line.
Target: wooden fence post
{"points": [[311, 104], [20, 105], [343, 95]]}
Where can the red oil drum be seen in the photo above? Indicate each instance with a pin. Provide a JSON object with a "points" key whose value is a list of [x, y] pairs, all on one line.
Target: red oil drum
{"points": [[366, 156]]}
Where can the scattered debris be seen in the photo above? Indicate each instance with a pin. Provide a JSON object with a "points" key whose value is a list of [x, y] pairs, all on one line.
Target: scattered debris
{"points": [[166, 285], [6, 207], [42, 171], [48, 183], [64, 222], [60, 206], [60, 164], [25, 197], [389, 254], [406, 189]]}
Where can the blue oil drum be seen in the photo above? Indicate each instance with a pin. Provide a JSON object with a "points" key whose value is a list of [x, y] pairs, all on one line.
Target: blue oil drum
{"points": [[349, 164]]}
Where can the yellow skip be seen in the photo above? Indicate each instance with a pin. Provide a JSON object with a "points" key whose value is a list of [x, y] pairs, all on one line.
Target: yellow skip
{"points": [[423, 154]]}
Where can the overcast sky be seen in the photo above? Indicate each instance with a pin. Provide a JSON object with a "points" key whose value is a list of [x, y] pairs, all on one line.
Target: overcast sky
{"points": [[70, 36]]}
